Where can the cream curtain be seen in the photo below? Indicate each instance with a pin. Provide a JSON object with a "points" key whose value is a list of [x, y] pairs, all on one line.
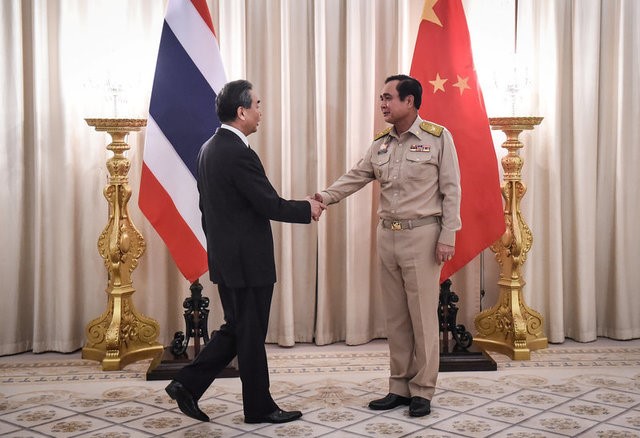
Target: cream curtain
{"points": [[581, 166], [318, 67]]}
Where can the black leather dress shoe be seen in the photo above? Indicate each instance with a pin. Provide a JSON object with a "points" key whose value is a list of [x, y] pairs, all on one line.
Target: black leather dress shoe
{"points": [[185, 401], [277, 416], [389, 401], [419, 407]]}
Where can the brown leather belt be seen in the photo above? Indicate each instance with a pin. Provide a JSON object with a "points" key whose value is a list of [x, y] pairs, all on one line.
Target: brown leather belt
{"points": [[407, 224]]}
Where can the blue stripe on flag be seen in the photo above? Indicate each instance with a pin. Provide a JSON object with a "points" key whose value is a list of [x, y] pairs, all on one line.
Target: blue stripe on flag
{"points": [[182, 101]]}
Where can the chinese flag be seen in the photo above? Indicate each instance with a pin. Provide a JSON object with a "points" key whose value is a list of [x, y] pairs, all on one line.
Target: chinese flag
{"points": [[451, 97]]}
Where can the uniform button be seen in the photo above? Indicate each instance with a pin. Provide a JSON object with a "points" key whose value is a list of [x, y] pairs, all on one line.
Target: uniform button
{"points": [[395, 194], [395, 177], [397, 161]]}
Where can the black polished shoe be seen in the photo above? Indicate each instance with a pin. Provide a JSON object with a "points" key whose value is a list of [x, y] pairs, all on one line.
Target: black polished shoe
{"points": [[277, 416], [419, 407], [389, 401], [185, 401]]}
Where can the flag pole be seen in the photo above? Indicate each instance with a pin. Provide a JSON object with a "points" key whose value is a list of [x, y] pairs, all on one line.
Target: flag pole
{"points": [[196, 315], [482, 292], [179, 354]]}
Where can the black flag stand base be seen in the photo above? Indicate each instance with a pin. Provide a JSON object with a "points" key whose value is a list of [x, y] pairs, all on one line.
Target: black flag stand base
{"points": [[457, 352], [179, 353]]}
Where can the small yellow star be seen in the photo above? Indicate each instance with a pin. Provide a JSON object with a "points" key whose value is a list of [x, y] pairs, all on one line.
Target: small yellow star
{"points": [[462, 84], [429, 14], [438, 83]]}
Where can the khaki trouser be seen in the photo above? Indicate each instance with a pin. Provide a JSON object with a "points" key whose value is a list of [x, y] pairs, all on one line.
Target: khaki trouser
{"points": [[409, 277]]}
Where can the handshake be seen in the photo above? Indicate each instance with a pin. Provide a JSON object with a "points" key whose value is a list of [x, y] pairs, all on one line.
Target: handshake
{"points": [[317, 206]]}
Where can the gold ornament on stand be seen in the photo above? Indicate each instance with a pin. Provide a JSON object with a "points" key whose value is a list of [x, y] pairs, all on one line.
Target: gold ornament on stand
{"points": [[120, 335], [511, 327]]}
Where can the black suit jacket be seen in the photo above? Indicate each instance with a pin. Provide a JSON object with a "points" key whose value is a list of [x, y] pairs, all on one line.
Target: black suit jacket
{"points": [[237, 203]]}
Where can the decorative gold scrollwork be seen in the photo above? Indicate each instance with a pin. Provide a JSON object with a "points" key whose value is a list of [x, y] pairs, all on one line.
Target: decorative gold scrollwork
{"points": [[510, 327], [120, 335]]}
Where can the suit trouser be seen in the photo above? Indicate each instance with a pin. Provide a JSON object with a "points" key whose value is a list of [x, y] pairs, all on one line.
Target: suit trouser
{"points": [[246, 315], [409, 277]]}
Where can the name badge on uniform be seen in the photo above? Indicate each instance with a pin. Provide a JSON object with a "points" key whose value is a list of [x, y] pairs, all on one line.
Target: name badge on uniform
{"points": [[420, 148]]}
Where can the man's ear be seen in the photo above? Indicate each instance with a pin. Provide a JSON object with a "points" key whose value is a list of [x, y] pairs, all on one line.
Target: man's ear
{"points": [[240, 113], [410, 100]]}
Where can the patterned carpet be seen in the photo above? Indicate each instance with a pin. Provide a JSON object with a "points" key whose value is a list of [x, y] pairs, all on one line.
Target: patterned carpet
{"points": [[587, 391]]}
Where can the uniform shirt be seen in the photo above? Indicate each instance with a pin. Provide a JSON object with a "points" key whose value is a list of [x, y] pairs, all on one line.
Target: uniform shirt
{"points": [[418, 173]]}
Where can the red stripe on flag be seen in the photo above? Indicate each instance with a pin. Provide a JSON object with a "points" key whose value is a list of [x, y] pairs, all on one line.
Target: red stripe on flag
{"points": [[203, 10], [451, 96], [158, 207]]}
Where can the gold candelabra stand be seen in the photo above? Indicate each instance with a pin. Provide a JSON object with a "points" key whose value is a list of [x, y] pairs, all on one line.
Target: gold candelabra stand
{"points": [[511, 327], [120, 335]]}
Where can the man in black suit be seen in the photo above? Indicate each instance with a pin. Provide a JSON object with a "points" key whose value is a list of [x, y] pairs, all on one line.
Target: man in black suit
{"points": [[237, 203]]}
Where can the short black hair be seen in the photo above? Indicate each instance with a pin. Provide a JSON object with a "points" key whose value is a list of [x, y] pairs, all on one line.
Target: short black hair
{"points": [[407, 86], [233, 95]]}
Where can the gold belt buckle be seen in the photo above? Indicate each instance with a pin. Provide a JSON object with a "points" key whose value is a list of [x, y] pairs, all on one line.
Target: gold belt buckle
{"points": [[396, 225]]}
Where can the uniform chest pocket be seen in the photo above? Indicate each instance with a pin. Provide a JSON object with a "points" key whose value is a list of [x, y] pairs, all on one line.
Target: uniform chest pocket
{"points": [[380, 163], [419, 165]]}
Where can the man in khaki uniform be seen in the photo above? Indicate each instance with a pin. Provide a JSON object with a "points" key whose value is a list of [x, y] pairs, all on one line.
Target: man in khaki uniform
{"points": [[416, 164]]}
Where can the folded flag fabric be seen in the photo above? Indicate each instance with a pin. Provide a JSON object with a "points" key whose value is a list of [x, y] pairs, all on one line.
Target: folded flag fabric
{"points": [[451, 96], [189, 73]]}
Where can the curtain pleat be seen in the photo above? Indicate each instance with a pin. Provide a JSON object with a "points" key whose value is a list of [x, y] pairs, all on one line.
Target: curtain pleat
{"points": [[318, 67]]}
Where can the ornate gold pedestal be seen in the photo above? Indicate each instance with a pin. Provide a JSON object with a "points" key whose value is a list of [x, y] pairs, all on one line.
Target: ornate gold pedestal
{"points": [[120, 335], [510, 327]]}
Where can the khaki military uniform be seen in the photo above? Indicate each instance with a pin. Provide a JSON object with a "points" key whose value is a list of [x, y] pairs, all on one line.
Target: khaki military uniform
{"points": [[419, 206]]}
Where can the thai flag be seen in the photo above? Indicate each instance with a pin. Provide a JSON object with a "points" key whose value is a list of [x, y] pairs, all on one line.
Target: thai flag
{"points": [[189, 74]]}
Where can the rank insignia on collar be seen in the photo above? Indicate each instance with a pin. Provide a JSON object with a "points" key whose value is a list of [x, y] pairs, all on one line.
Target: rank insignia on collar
{"points": [[420, 148]]}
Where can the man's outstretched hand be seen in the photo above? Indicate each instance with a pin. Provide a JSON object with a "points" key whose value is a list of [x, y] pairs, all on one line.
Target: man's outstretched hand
{"points": [[317, 207]]}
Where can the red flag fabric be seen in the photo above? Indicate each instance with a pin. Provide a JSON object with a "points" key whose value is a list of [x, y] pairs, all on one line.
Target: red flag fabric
{"points": [[451, 96]]}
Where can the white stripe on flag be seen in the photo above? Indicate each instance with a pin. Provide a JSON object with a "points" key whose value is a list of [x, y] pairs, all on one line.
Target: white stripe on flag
{"points": [[198, 41], [171, 172]]}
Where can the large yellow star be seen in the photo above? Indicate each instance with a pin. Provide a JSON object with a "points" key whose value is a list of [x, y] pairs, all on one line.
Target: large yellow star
{"points": [[438, 83], [429, 14], [462, 84]]}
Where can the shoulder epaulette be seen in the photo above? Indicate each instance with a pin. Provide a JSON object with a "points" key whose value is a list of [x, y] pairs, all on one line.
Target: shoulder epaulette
{"points": [[431, 128], [382, 133]]}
